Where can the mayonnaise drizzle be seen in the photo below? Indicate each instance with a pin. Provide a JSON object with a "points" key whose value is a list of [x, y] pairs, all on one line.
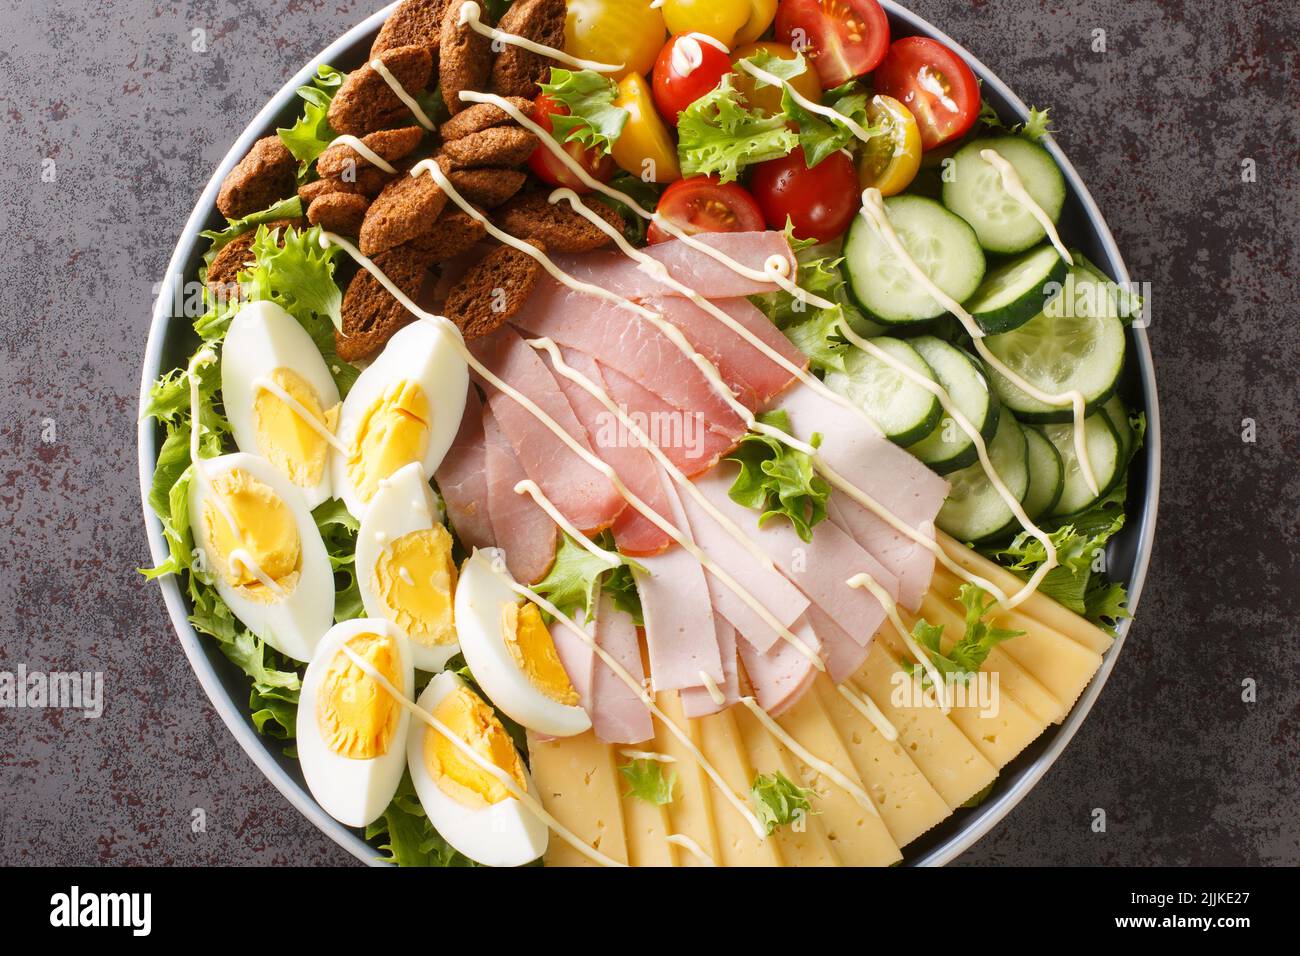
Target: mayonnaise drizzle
{"points": [[865, 706], [525, 798], [302, 411], [686, 843], [715, 692], [364, 151], [633, 754], [470, 13], [529, 487], [395, 85], [864, 580], [687, 56], [834, 115], [1016, 190]]}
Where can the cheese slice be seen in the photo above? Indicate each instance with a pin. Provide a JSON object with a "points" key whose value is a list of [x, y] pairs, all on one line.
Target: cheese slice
{"points": [[579, 786], [738, 843], [645, 824], [691, 812], [803, 843], [1063, 666], [858, 832], [1037, 605], [953, 765], [908, 804]]}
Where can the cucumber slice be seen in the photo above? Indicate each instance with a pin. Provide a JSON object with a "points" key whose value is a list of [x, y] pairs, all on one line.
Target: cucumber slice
{"points": [[1103, 452], [1117, 414], [943, 246], [974, 510], [1046, 474], [1076, 343], [1018, 290], [975, 192], [948, 448], [905, 411]]}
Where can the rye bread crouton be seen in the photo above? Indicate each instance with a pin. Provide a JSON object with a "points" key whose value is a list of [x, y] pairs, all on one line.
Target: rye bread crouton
{"points": [[492, 291], [481, 116], [230, 260], [267, 174], [487, 187], [413, 23], [365, 103], [517, 72], [390, 144], [530, 216], [370, 314], [497, 146], [464, 58], [453, 232], [407, 207], [339, 212]]}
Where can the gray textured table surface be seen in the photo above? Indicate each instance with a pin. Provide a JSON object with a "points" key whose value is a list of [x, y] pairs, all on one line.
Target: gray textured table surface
{"points": [[1159, 126]]}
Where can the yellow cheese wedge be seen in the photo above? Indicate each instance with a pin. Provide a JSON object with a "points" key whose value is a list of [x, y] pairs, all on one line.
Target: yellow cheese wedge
{"points": [[738, 843], [858, 832], [580, 787], [645, 824], [691, 811], [907, 802], [953, 765]]}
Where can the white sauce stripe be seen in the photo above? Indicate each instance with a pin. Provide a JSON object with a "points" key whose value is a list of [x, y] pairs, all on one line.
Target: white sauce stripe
{"points": [[686, 843], [303, 412], [1016, 190], [364, 151], [632, 754], [866, 581], [868, 709], [395, 85], [834, 115], [529, 487], [471, 12]]}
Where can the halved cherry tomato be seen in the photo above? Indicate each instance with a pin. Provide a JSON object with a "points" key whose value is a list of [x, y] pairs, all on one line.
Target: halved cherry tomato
{"points": [[686, 69], [843, 38], [614, 31], [720, 19], [768, 98], [935, 84], [645, 148], [702, 204], [890, 162], [550, 168], [819, 202]]}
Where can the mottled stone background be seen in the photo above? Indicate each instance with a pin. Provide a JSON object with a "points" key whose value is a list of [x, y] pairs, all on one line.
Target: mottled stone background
{"points": [[1158, 126]]}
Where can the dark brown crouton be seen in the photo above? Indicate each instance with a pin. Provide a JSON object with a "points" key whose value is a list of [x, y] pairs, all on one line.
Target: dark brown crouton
{"points": [[230, 260], [516, 71], [493, 290], [487, 187], [370, 314], [390, 144], [407, 207], [267, 174], [339, 212], [365, 103], [481, 116], [453, 233], [498, 146], [558, 225], [364, 182], [464, 59], [413, 23]]}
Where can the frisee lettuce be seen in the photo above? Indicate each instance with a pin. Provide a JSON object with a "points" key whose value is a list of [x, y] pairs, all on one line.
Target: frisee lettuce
{"points": [[718, 134], [778, 801], [290, 208], [593, 120], [778, 480], [405, 836], [307, 138], [647, 781], [967, 654], [1035, 128], [576, 574]]}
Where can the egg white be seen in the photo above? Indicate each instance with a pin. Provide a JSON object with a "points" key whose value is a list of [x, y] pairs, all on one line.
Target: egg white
{"points": [[294, 624], [421, 352], [354, 792], [403, 503], [503, 834], [262, 338], [482, 593]]}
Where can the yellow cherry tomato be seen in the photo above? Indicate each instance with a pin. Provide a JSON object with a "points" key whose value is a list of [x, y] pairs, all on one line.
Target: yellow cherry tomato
{"points": [[645, 148], [766, 97], [720, 19], [761, 15], [890, 162], [615, 31]]}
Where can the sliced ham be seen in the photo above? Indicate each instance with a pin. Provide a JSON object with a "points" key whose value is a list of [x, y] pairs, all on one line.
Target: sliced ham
{"points": [[911, 563], [688, 265], [618, 715], [579, 492], [462, 479], [577, 658], [782, 675], [524, 530], [842, 654], [697, 701]]}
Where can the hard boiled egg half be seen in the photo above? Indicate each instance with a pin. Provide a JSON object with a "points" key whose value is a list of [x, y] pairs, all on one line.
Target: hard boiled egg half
{"points": [[472, 807], [406, 407], [510, 652], [279, 396], [258, 542], [351, 730], [404, 566]]}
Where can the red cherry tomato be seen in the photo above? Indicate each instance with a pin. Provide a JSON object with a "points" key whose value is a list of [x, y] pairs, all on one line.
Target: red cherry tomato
{"points": [[686, 69], [702, 204], [935, 84], [820, 202], [550, 168], [843, 38]]}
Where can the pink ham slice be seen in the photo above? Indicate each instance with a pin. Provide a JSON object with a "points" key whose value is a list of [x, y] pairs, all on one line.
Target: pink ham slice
{"points": [[523, 530], [782, 675], [618, 715], [634, 532], [462, 479], [688, 265], [579, 492], [577, 658], [842, 654], [629, 343], [911, 563], [697, 701]]}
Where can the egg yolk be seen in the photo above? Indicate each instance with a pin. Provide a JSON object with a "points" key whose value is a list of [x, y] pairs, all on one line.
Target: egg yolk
{"points": [[357, 717], [288, 442], [394, 431], [529, 641], [415, 578], [265, 534], [466, 715]]}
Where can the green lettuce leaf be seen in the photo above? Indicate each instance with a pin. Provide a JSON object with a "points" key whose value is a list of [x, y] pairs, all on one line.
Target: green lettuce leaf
{"points": [[779, 481], [572, 581], [778, 801], [1038, 125], [718, 134], [593, 120], [647, 781], [968, 653], [308, 137], [295, 272], [621, 588], [647, 197], [405, 836], [290, 208]]}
